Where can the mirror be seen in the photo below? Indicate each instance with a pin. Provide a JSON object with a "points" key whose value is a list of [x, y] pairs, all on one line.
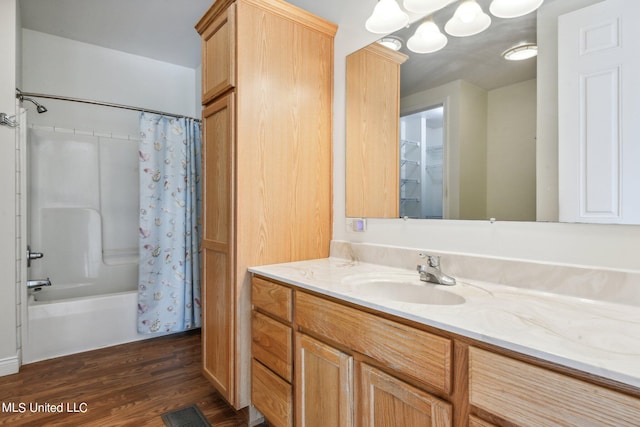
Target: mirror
{"points": [[497, 156]]}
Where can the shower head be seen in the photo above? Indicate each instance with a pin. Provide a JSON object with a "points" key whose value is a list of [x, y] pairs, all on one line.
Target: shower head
{"points": [[39, 107]]}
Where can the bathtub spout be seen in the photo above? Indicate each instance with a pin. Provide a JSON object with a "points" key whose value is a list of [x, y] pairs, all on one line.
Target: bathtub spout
{"points": [[37, 284]]}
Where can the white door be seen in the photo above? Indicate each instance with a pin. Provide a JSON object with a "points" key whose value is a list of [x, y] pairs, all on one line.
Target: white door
{"points": [[599, 113]]}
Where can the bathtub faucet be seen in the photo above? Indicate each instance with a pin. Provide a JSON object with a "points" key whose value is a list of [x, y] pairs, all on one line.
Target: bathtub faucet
{"points": [[32, 255], [36, 285]]}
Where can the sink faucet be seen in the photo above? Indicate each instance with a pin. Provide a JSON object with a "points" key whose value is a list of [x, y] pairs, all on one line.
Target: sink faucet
{"points": [[432, 273]]}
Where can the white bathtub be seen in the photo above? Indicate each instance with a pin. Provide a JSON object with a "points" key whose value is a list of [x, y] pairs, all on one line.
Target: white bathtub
{"points": [[66, 326]]}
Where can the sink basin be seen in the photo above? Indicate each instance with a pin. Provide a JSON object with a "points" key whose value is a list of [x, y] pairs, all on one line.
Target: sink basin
{"points": [[401, 287]]}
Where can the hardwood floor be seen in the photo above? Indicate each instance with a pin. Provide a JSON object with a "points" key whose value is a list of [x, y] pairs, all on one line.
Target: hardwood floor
{"points": [[126, 385]]}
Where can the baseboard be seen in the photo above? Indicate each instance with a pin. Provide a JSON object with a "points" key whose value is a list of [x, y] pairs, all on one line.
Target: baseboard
{"points": [[9, 366]]}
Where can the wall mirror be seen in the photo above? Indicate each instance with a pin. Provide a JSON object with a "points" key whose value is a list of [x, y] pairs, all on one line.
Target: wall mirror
{"points": [[478, 133]]}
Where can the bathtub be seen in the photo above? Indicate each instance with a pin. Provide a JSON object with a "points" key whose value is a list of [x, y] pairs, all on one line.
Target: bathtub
{"points": [[67, 326], [58, 324]]}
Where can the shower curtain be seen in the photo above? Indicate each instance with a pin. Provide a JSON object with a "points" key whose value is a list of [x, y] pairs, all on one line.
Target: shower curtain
{"points": [[170, 210]]}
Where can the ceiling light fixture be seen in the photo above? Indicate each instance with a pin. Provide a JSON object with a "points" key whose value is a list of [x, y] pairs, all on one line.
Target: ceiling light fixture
{"points": [[425, 7], [427, 38], [513, 8], [391, 42], [386, 18], [468, 20], [521, 52]]}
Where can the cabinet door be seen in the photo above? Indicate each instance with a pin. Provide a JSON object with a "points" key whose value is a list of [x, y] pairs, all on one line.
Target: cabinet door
{"points": [[217, 244], [387, 401], [218, 55], [373, 135], [323, 383]]}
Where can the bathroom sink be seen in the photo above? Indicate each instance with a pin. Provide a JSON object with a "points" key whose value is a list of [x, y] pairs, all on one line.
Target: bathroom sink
{"points": [[401, 287]]}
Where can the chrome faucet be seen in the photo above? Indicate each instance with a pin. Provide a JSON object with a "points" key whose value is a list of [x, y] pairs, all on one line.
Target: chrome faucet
{"points": [[432, 273], [36, 285]]}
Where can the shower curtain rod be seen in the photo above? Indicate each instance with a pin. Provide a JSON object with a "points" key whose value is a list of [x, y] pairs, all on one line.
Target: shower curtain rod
{"points": [[20, 93]]}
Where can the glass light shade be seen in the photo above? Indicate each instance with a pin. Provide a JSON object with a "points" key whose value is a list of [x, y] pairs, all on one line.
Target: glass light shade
{"points": [[425, 7], [392, 43], [513, 8], [468, 20], [386, 18], [522, 52], [427, 38]]}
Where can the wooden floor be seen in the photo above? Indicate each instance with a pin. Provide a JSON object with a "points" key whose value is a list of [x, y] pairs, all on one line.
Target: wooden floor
{"points": [[126, 385]]}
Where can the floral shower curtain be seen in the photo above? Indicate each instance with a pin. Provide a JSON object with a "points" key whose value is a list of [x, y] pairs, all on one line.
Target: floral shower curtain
{"points": [[170, 210]]}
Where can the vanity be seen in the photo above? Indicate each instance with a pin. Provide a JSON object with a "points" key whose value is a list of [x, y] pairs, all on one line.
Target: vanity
{"points": [[338, 341]]}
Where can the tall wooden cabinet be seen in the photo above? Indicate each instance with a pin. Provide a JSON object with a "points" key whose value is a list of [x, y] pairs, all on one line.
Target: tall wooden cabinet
{"points": [[267, 94], [373, 132]]}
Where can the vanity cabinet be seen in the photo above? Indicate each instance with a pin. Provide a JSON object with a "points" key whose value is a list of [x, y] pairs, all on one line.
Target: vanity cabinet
{"points": [[324, 384], [373, 132], [350, 367], [272, 351], [524, 394], [266, 167], [385, 399], [378, 346]]}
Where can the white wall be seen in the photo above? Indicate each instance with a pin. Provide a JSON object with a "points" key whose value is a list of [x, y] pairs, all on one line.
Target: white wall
{"points": [[609, 246], [8, 261], [465, 107], [59, 66], [511, 152]]}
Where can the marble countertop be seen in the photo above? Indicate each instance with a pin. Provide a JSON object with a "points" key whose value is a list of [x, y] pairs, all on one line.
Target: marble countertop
{"points": [[600, 338]]}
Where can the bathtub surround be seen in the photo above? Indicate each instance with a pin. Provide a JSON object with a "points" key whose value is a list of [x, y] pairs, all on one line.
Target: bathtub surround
{"points": [[55, 65], [169, 230]]}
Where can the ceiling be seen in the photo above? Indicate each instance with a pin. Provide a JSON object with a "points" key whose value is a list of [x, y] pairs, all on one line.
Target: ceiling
{"points": [[158, 29], [164, 30], [476, 59]]}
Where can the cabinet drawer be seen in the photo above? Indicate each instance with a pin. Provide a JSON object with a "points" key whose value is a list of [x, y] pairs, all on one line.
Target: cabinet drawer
{"points": [[528, 395], [272, 298], [418, 354], [271, 395], [271, 344]]}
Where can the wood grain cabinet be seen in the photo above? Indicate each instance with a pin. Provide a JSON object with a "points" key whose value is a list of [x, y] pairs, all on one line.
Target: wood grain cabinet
{"points": [[523, 394], [324, 384], [356, 366], [382, 399], [272, 351], [387, 401], [267, 93], [373, 132]]}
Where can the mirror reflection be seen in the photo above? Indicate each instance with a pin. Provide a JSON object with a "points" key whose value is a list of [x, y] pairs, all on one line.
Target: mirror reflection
{"points": [[467, 143], [477, 155]]}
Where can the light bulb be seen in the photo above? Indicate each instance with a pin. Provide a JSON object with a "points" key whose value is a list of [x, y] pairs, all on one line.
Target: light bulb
{"points": [[468, 11], [386, 18], [469, 19], [427, 38]]}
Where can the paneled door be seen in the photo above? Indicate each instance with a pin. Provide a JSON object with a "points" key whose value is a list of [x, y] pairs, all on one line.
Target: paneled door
{"points": [[599, 101]]}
